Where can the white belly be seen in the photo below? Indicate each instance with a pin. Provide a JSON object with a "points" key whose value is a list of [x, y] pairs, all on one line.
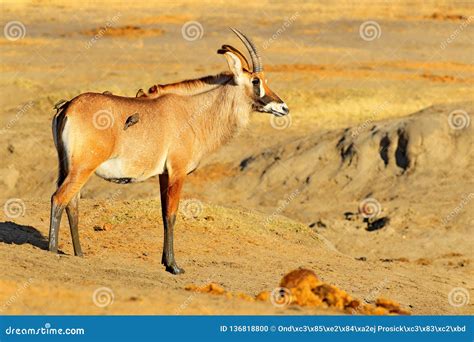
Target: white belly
{"points": [[119, 171], [112, 168]]}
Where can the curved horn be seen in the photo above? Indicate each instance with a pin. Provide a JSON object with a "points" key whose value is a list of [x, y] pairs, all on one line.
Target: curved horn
{"points": [[254, 55]]}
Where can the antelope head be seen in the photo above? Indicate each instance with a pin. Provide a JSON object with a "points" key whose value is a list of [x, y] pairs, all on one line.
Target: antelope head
{"points": [[262, 98]]}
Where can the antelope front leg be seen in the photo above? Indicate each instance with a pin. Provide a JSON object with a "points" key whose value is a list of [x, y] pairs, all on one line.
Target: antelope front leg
{"points": [[170, 189]]}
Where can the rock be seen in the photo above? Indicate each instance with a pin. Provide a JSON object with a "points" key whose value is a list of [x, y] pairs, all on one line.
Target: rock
{"points": [[263, 296], [104, 227], [377, 224]]}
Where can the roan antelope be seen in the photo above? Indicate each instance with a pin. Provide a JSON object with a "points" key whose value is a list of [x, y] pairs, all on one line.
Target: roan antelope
{"points": [[166, 135]]}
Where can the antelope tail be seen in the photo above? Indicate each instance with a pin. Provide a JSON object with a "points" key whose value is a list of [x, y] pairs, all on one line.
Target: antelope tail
{"points": [[59, 121]]}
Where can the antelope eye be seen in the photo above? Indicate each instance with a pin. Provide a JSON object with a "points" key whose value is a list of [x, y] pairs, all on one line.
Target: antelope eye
{"points": [[256, 81]]}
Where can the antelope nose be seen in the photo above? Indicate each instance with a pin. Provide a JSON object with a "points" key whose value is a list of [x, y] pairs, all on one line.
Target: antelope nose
{"points": [[285, 109]]}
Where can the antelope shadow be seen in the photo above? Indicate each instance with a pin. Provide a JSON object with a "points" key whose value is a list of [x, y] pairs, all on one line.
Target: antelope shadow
{"points": [[13, 233]]}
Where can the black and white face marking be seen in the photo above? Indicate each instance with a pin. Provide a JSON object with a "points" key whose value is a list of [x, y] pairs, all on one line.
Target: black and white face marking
{"points": [[258, 88], [276, 108], [267, 101]]}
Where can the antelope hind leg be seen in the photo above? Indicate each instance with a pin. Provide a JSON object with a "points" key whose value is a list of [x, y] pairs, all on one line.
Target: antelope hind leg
{"points": [[72, 211], [56, 213], [60, 200]]}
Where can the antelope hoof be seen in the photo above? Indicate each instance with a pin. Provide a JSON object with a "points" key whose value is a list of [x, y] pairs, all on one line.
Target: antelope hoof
{"points": [[174, 269], [79, 254]]}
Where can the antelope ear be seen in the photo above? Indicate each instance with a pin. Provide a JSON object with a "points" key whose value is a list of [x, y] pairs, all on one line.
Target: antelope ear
{"points": [[235, 64]]}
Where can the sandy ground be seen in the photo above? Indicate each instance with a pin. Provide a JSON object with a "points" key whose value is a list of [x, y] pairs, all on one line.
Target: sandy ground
{"points": [[282, 195], [235, 249]]}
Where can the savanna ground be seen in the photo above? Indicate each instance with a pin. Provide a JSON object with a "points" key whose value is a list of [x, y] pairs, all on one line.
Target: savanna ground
{"points": [[284, 194]]}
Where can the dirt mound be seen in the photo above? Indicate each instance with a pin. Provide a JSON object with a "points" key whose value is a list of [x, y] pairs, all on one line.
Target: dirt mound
{"points": [[302, 287], [377, 176], [374, 154]]}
